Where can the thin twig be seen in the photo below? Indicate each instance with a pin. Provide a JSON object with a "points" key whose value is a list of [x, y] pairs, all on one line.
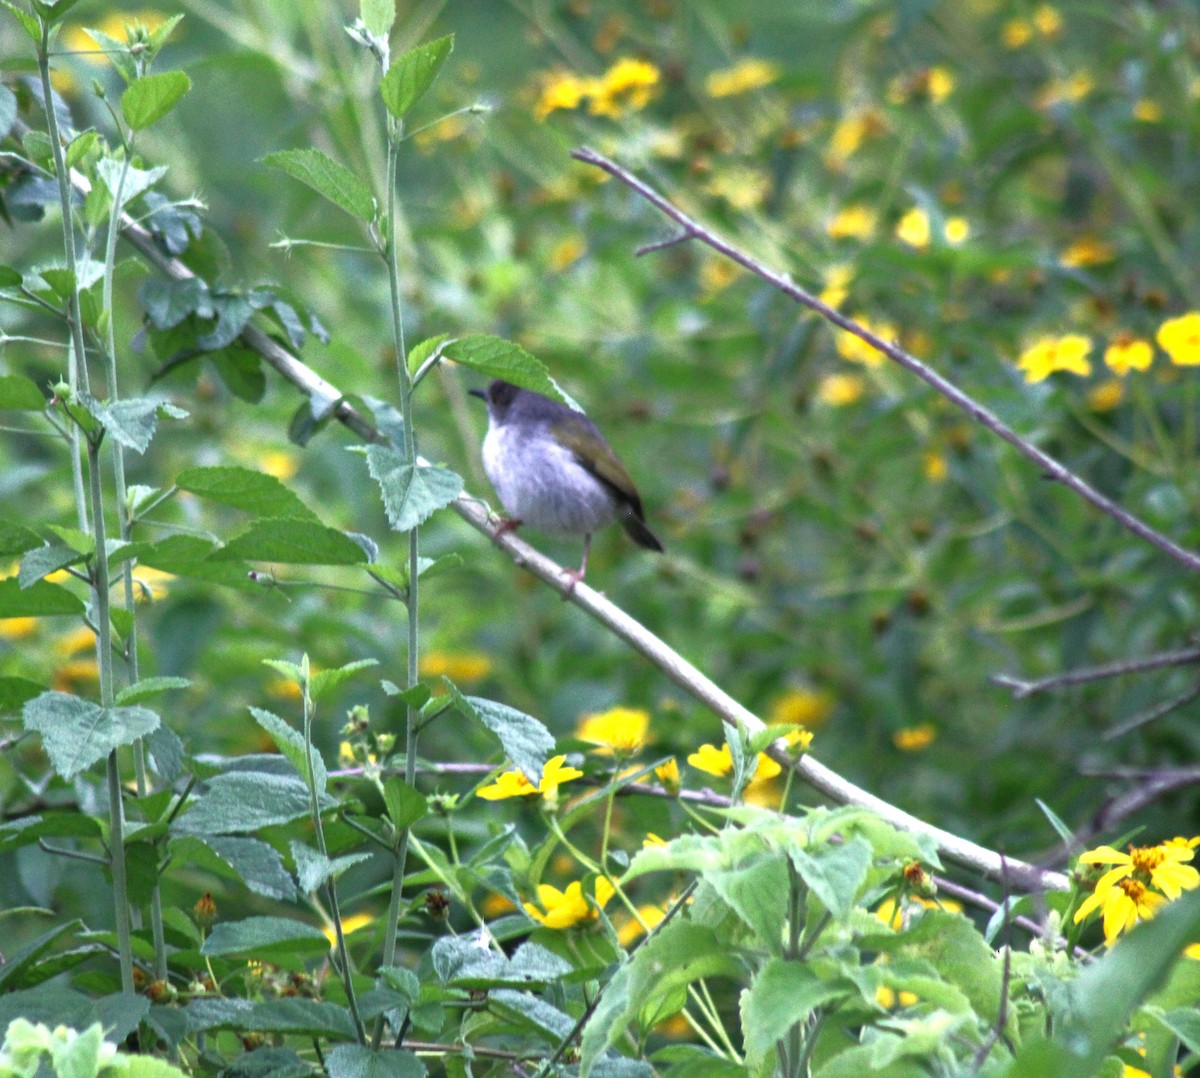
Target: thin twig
{"points": [[1022, 688], [1053, 468], [328, 401], [1134, 722]]}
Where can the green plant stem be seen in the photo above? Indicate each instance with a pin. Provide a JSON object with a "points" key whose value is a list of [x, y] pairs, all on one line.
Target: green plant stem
{"points": [[77, 373], [125, 523], [100, 583], [330, 886], [794, 1043]]}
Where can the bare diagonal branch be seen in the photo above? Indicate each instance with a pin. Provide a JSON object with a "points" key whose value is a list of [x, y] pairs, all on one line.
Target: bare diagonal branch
{"points": [[1053, 468]]}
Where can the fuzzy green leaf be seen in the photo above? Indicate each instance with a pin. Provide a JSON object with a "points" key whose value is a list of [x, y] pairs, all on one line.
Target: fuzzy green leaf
{"points": [[327, 177], [40, 600], [360, 1061], [526, 742], [290, 742], [243, 488], [20, 394], [412, 74], [411, 492], [239, 802], [292, 542], [78, 732], [149, 99], [261, 936], [498, 358]]}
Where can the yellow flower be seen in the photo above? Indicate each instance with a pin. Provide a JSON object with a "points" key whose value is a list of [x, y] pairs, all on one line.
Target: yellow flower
{"points": [[849, 134], [1065, 91], [346, 756], [1192, 950], [17, 628], [719, 762], [515, 784], [78, 639], [668, 775], [279, 463], [620, 729], [1123, 904], [1180, 339], [1164, 866], [283, 689], [458, 666], [1127, 354], [914, 738], [750, 74], [648, 918], [1147, 111], [799, 739], [957, 230], [627, 86], [887, 998], [1051, 354], [941, 84], [1106, 396], [150, 584], [935, 467], [566, 252], [1086, 251], [560, 90], [856, 222], [566, 909], [1016, 32], [743, 188], [717, 274], [837, 285], [350, 924], [913, 228], [854, 349], [1047, 20], [651, 840], [838, 390], [801, 707]]}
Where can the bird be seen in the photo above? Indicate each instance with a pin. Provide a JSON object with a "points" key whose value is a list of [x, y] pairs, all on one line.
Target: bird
{"points": [[553, 470]]}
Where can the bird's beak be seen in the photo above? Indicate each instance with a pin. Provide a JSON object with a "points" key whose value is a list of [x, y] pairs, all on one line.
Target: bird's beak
{"points": [[481, 394]]}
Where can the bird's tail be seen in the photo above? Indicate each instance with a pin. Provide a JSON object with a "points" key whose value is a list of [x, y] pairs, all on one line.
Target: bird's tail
{"points": [[637, 531]]}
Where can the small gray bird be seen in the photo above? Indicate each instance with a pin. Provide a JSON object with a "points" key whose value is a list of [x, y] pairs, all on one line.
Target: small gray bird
{"points": [[553, 470]]}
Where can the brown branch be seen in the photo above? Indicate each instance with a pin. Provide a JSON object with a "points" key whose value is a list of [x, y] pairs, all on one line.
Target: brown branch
{"points": [[1052, 467], [1022, 688]]}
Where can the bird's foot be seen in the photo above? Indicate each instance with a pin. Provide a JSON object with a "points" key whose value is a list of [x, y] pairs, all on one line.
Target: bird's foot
{"points": [[572, 577], [504, 526]]}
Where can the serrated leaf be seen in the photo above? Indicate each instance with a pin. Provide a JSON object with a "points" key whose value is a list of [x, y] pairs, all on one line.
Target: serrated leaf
{"points": [[498, 358], [168, 302], [45, 560], [405, 805], [327, 177], [28, 22], [262, 936], [20, 394], [325, 681], [290, 742], [250, 861], [150, 98], [526, 742], [781, 994], [132, 181], [40, 600], [131, 421], [411, 492], [239, 802], [149, 687], [412, 74], [243, 488], [835, 873], [299, 1016], [16, 538], [78, 732], [80, 147], [292, 542], [361, 1061], [314, 868]]}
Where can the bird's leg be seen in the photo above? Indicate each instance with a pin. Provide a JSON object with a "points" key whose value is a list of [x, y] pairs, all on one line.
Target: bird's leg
{"points": [[504, 526], [574, 576]]}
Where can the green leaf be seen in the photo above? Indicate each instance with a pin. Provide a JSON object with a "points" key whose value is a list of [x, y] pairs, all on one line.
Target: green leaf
{"points": [[498, 358], [78, 732], [421, 351], [290, 742], [781, 994], [150, 98], [405, 804], [526, 742], [243, 488], [314, 868], [293, 542], [80, 147], [326, 681], [250, 861], [16, 538], [28, 22], [191, 556], [45, 560], [300, 1016], [20, 394], [19, 961], [411, 492], [263, 936], [677, 955], [378, 16], [14, 691], [240, 368], [42, 599], [131, 181], [360, 1061], [835, 873], [59, 1005], [412, 74], [148, 687], [168, 301], [463, 963], [758, 894], [327, 177], [238, 802], [131, 421], [53, 10]]}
